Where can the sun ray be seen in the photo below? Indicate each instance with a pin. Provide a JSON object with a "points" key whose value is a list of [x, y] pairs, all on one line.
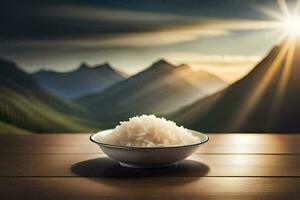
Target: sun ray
{"points": [[283, 7], [253, 97], [288, 20], [297, 7], [282, 83], [269, 12]]}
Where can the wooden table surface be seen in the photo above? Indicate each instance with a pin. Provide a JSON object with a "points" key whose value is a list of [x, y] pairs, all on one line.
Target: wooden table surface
{"points": [[229, 166]]}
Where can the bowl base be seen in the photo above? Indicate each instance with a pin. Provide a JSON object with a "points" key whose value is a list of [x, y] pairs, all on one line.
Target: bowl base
{"points": [[147, 166]]}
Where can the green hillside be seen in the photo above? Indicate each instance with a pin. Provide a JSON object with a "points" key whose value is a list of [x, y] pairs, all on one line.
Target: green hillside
{"points": [[6, 128], [24, 105]]}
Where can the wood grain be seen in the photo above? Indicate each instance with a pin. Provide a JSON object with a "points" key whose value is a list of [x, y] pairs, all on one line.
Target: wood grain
{"points": [[93, 165], [229, 166], [218, 144], [225, 188]]}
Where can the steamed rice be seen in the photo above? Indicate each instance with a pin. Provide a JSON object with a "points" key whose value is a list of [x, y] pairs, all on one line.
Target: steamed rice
{"points": [[148, 131]]}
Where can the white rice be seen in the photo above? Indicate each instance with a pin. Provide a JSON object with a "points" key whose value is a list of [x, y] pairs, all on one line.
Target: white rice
{"points": [[148, 131]]}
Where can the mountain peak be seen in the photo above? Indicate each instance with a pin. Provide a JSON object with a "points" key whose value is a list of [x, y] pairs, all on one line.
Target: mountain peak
{"points": [[83, 80], [104, 65], [11, 74], [184, 66], [108, 68], [6, 62], [8, 65], [162, 64], [83, 66]]}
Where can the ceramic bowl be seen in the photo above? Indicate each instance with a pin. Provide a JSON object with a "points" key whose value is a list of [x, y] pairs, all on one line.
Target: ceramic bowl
{"points": [[149, 157]]}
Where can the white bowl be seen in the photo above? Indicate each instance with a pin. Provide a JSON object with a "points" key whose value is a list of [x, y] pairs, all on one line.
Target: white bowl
{"points": [[148, 157]]}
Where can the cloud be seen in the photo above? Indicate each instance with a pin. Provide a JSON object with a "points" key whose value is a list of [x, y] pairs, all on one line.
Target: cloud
{"points": [[228, 67], [96, 26], [200, 28], [62, 33], [215, 60], [170, 34], [79, 12]]}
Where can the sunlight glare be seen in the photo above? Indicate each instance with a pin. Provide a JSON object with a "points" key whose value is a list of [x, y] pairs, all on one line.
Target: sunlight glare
{"points": [[291, 25]]}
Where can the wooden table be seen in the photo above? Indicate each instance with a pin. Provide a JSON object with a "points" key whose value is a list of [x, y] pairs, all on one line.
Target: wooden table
{"points": [[229, 166]]}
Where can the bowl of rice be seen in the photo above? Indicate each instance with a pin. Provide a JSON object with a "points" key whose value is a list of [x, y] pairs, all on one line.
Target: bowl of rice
{"points": [[148, 142]]}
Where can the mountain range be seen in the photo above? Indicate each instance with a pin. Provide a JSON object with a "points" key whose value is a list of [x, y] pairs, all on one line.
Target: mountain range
{"points": [[26, 107], [265, 100], [82, 81], [160, 89]]}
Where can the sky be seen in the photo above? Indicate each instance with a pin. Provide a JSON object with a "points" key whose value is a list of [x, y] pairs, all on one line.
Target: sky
{"points": [[225, 37]]}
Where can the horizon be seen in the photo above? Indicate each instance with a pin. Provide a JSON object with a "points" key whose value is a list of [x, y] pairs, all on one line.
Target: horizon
{"points": [[88, 65]]}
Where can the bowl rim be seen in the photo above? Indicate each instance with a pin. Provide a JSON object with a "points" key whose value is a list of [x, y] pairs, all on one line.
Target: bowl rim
{"points": [[137, 147]]}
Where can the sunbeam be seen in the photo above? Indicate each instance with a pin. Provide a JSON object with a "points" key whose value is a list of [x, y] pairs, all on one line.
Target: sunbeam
{"points": [[289, 20], [283, 7], [282, 83], [290, 25], [252, 98]]}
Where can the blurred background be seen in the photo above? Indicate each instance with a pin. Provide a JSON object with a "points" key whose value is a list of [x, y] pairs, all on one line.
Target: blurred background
{"points": [[210, 65]]}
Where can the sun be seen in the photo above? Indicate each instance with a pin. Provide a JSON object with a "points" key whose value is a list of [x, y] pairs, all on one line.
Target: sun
{"points": [[291, 25], [287, 17]]}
